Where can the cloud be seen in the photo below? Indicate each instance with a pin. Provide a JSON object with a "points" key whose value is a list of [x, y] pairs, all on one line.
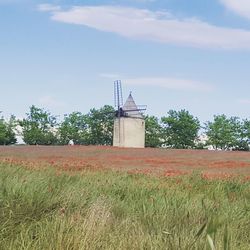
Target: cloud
{"points": [[170, 83], [48, 7], [143, 24], [163, 82], [244, 101], [240, 7], [50, 102]]}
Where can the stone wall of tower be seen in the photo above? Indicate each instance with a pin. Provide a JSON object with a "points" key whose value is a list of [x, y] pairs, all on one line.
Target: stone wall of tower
{"points": [[129, 132]]}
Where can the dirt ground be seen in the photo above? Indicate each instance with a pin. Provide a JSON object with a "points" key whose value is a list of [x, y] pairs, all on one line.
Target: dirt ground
{"points": [[164, 162]]}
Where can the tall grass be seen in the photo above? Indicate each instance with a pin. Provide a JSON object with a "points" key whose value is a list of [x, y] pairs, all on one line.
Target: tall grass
{"points": [[110, 210]]}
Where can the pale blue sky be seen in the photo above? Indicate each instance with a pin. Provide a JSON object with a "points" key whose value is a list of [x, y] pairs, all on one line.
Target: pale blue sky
{"points": [[173, 54]]}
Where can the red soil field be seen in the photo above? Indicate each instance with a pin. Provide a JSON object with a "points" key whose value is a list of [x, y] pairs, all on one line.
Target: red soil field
{"points": [[164, 162]]}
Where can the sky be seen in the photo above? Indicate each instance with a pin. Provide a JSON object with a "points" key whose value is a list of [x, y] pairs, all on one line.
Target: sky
{"points": [[64, 55]]}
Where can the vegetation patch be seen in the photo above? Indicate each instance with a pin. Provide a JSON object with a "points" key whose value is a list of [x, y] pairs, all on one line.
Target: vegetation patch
{"points": [[47, 209]]}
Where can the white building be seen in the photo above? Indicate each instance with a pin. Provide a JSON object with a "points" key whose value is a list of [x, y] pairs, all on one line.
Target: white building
{"points": [[129, 126]]}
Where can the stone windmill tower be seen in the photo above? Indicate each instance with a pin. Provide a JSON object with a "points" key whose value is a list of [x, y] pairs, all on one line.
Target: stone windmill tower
{"points": [[129, 124]]}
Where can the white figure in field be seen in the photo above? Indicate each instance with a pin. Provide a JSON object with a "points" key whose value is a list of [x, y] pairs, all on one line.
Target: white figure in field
{"points": [[71, 143]]}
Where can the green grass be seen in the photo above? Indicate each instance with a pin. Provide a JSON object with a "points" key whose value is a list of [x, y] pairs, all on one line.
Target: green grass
{"points": [[110, 210]]}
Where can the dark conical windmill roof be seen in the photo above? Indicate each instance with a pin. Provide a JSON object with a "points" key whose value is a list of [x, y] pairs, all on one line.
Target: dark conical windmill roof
{"points": [[131, 107]]}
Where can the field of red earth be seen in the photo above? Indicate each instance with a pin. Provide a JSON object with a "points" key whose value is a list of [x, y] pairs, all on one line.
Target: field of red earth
{"points": [[163, 162]]}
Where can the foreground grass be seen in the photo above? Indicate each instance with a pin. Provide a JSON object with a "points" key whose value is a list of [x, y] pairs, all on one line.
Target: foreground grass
{"points": [[108, 210]]}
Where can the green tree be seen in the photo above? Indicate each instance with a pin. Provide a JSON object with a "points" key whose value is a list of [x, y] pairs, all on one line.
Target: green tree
{"points": [[94, 128], [99, 129], [39, 127], [74, 127], [244, 138], [7, 131], [180, 129], [153, 133], [2, 132], [224, 133]]}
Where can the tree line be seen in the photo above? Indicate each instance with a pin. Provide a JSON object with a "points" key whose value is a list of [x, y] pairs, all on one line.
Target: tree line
{"points": [[178, 129]]}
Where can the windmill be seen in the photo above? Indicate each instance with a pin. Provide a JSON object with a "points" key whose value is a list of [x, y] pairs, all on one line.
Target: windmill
{"points": [[129, 124]]}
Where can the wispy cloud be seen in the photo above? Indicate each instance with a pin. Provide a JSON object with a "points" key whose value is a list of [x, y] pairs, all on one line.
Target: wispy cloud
{"points": [[171, 83], [244, 101], [155, 26], [48, 7], [240, 7]]}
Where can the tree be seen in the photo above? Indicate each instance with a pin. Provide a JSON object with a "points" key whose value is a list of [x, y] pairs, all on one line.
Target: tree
{"points": [[244, 139], [74, 127], [2, 132], [11, 126], [180, 129], [94, 128], [38, 127], [100, 126], [153, 133], [7, 131], [224, 133]]}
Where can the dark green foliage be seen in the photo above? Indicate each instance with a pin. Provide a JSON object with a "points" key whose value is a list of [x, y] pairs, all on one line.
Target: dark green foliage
{"points": [[228, 133], [153, 133], [244, 141], [100, 126], [180, 129], [73, 128], [94, 128], [7, 133], [38, 127], [221, 132]]}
